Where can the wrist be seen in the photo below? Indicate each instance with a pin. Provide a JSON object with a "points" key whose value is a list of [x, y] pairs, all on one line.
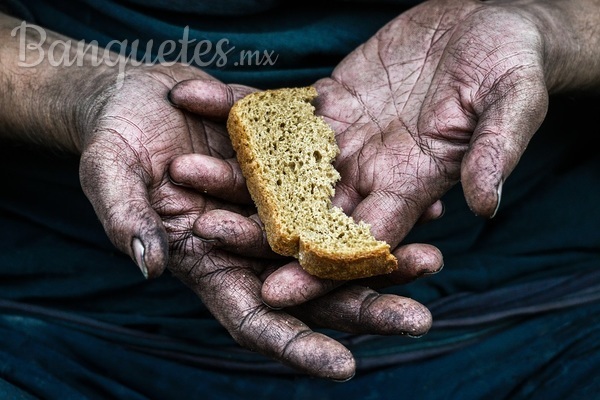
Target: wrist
{"points": [[571, 43], [56, 88]]}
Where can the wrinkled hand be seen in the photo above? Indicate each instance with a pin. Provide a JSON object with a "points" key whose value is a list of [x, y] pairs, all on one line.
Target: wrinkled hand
{"points": [[126, 152], [448, 91]]}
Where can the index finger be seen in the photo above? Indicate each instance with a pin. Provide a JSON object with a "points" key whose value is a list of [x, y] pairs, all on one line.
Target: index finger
{"points": [[230, 289], [207, 98]]}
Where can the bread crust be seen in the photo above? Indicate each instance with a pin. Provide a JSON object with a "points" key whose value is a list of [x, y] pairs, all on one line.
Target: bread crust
{"points": [[377, 261], [268, 211], [374, 260]]}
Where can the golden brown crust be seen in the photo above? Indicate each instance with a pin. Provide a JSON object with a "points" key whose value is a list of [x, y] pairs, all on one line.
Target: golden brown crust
{"points": [[279, 241], [373, 260]]}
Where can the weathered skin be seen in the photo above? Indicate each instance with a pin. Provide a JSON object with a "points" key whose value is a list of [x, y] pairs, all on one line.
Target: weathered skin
{"points": [[449, 91], [128, 137]]}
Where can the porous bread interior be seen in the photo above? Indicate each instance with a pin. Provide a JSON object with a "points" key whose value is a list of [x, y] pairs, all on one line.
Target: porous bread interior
{"points": [[292, 150]]}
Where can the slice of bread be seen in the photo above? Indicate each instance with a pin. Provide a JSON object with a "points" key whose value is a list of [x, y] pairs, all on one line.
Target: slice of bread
{"points": [[286, 152]]}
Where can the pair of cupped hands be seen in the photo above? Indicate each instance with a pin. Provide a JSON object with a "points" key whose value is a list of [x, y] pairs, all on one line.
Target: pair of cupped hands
{"points": [[449, 91]]}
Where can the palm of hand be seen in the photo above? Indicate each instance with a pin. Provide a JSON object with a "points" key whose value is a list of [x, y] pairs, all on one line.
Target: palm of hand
{"points": [[435, 90], [124, 167]]}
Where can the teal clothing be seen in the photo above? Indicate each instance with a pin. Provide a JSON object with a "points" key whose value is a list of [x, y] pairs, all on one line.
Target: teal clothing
{"points": [[303, 44], [516, 310]]}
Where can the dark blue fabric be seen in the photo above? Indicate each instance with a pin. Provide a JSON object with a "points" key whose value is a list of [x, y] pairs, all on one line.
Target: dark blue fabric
{"points": [[305, 41], [546, 356], [516, 311]]}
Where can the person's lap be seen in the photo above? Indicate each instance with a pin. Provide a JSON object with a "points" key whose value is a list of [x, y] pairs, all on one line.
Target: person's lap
{"points": [[550, 356]]}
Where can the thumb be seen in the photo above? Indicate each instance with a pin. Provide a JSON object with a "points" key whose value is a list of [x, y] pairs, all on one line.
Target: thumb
{"points": [[479, 116], [207, 98], [119, 196], [216, 177], [505, 126]]}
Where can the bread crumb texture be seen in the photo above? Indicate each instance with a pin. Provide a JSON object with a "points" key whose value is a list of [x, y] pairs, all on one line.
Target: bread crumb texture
{"points": [[286, 152]]}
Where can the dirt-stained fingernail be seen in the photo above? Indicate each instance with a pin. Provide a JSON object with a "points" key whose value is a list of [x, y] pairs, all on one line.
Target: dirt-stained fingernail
{"points": [[498, 198], [428, 272], [344, 380], [138, 254], [170, 100], [443, 210], [210, 243], [174, 182], [272, 307]]}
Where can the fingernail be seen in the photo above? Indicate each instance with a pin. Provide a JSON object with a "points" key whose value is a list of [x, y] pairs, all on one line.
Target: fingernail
{"points": [[209, 241], [433, 272], [174, 182], [443, 210], [170, 100], [412, 335], [498, 197], [343, 380], [272, 307], [138, 254]]}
